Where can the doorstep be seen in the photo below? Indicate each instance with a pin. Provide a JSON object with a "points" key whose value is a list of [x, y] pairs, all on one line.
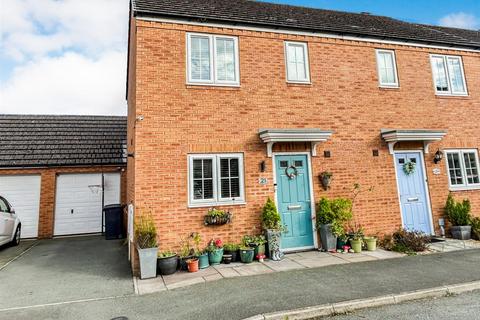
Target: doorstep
{"points": [[292, 261], [449, 245]]}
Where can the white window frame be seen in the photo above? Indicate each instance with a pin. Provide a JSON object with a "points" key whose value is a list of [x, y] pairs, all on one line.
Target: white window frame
{"points": [[217, 200], [394, 59], [307, 62], [213, 58], [465, 185], [449, 82]]}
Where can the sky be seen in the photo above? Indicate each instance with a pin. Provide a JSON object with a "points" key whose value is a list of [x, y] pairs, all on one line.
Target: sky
{"points": [[69, 56]]}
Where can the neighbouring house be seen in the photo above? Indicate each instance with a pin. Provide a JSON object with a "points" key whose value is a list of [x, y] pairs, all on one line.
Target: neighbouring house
{"points": [[54, 170], [231, 102]]}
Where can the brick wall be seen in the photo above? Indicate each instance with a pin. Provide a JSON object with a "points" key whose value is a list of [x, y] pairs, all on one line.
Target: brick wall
{"points": [[344, 97], [48, 186]]}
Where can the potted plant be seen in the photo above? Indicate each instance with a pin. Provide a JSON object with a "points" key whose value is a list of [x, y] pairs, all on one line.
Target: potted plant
{"points": [[215, 251], [231, 249], [476, 227], [258, 243], [146, 243], [246, 254], [167, 263], [227, 258], [187, 251], [217, 217], [342, 240], [371, 243], [356, 238], [192, 265], [201, 254], [331, 216], [458, 213], [271, 223]]}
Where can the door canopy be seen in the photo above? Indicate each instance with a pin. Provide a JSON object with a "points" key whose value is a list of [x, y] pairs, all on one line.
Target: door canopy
{"points": [[392, 136], [314, 136]]}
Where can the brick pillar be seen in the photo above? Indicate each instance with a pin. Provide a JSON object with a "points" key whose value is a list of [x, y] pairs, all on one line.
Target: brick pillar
{"points": [[47, 204]]}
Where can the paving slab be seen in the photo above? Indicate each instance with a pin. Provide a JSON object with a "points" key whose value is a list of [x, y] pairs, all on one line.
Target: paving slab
{"points": [[150, 285], [253, 269], [228, 272], [186, 276], [315, 263], [284, 265]]}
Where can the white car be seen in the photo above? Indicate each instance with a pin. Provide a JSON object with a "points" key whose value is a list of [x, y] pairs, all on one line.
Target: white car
{"points": [[10, 226]]}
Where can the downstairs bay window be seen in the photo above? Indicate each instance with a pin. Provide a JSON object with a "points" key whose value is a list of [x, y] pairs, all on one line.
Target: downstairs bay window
{"points": [[215, 179]]}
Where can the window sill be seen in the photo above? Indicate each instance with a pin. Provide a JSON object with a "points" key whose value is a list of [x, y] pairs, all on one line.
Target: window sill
{"points": [[212, 85], [382, 87], [299, 83], [464, 188], [452, 96], [217, 204]]}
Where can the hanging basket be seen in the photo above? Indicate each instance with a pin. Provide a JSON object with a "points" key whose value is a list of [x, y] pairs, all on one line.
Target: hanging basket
{"points": [[218, 220]]}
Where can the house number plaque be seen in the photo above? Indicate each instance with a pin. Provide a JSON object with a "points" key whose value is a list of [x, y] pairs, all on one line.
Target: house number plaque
{"points": [[263, 181], [436, 171]]}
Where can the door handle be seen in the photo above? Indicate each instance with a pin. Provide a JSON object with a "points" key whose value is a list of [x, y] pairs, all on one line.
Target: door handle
{"points": [[294, 207], [412, 199], [71, 211]]}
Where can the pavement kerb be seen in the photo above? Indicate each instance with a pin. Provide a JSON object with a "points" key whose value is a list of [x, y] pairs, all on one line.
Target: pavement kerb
{"points": [[352, 305]]}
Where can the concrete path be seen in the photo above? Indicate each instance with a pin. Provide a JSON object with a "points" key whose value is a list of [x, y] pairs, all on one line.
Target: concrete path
{"points": [[242, 297], [66, 269], [8, 253], [293, 261], [465, 306]]}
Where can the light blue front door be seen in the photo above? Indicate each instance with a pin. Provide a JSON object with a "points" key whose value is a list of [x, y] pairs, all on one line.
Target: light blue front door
{"points": [[293, 197], [413, 195]]}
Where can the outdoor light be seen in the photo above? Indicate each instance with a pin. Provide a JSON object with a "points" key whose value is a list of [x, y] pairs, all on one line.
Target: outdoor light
{"points": [[438, 156]]}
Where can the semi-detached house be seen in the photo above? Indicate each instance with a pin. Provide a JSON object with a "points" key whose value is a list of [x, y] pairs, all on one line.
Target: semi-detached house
{"points": [[232, 102]]}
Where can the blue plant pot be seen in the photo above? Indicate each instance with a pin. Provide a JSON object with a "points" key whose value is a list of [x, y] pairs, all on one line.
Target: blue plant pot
{"points": [[203, 261], [215, 257]]}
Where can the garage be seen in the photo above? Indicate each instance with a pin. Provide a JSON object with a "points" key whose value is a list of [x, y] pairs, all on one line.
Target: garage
{"points": [[23, 193], [78, 203]]}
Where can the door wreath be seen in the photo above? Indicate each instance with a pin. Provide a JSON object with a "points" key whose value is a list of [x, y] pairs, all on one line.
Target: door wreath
{"points": [[291, 172], [409, 167]]}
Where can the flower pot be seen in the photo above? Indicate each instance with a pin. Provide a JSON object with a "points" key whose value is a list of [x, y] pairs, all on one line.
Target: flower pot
{"points": [[371, 243], [234, 254], [215, 256], [227, 258], [203, 261], [341, 243], [166, 266], [329, 241], [461, 232], [183, 262], [274, 238], [148, 262], [356, 245], [246, 255], [259, 250], [192, 265]]}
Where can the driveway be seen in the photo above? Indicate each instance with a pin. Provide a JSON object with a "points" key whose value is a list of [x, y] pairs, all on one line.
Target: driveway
{"points": [[62, 270]]}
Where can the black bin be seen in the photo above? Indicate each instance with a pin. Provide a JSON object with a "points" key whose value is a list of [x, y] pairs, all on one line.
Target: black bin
{"points": [[114, 222]]}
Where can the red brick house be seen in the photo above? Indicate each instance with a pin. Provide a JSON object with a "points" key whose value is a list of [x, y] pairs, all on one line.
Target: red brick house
{"points": [[231, 102]]}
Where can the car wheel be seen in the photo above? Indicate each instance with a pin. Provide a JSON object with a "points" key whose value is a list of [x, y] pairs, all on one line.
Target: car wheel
{"points": [[16, 238]]}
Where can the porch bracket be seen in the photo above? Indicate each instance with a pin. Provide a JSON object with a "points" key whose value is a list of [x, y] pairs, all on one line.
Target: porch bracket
{"points": [[392, 136], [314, 136]]}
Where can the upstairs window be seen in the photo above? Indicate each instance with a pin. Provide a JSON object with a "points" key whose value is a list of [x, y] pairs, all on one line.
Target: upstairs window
{"points": [[212, 59], [296, 60], [448, 76], [215, 179], [387, 68], [463, 169]]}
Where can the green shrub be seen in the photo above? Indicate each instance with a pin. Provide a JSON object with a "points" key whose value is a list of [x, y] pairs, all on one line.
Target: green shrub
{"points": [[458, 213], [230, 247], [476, 227], [335, 212], [166, 254], [270, 216], [409, 242], [145, 232]]}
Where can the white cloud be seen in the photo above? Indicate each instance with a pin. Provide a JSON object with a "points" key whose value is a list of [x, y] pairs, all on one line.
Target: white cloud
{"points": [[70, 84], [460, 20], [66, 56]]}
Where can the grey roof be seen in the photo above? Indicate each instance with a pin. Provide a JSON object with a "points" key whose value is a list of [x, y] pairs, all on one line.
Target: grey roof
{"points": [[263, 14], [46, 140]]}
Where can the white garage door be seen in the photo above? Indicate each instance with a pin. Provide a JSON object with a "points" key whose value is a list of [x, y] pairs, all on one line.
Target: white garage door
{"points": [[78, 204], [23, 193]]}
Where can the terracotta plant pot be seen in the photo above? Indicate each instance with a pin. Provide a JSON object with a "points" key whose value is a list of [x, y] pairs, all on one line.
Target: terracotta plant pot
{"points": [[192, 265]]}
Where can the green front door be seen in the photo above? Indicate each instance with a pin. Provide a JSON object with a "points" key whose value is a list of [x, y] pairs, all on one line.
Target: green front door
{"points": [[293, 198]]}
